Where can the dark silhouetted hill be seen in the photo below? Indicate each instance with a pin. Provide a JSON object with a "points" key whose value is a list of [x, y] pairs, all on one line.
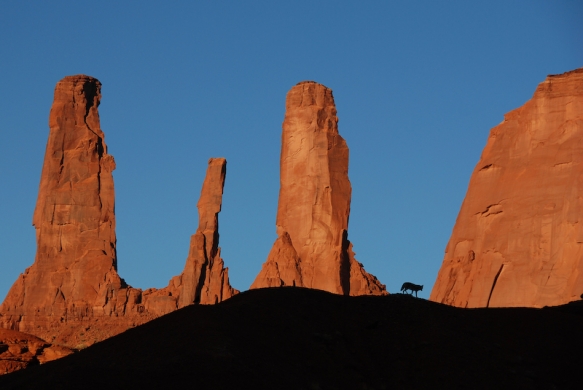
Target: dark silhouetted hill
{"points": [[296, 338]]}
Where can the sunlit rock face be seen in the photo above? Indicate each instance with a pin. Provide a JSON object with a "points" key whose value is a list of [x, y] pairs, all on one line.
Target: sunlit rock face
{"points": [[74, 273], [518, 239], [72, 293], [20, 350], [204, 280], [312, 249]]}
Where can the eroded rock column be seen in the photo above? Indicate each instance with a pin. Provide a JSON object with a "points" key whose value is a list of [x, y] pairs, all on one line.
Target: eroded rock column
{"points": [[312, 249], [74, 273], [204, 280]]}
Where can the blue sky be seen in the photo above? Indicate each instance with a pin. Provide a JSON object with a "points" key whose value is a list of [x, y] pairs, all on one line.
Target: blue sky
{"points": [[418, 85]]}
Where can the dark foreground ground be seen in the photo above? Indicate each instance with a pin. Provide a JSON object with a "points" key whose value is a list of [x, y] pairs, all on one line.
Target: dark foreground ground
{"points": [[294, 338]]}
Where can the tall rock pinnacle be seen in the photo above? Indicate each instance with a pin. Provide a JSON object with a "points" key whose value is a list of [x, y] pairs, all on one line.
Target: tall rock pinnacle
{"points": [[312, 249], [204, 279], [518, 239], [75, 266]]}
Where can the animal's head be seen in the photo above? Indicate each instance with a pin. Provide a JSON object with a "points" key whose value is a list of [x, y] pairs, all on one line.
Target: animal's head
{"points": [[421, 288]]}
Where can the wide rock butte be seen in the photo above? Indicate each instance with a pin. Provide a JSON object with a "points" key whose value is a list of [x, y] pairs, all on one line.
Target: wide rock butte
{"points": [[518, 239], [72, 294], [312, 249]]}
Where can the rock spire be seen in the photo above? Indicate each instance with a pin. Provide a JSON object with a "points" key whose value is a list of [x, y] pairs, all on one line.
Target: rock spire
{"points": [[518, 239], [312, 249], [74, 273], [204, 279]]}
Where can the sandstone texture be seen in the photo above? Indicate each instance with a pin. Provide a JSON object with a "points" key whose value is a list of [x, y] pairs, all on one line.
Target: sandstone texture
{"points": [[19, 350], [204, 279], [74, 273], [72, 294], [312, 249], [518, 239]]}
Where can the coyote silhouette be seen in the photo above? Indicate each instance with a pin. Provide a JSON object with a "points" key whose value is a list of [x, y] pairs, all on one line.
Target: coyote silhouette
{"points": [[411, 286]]}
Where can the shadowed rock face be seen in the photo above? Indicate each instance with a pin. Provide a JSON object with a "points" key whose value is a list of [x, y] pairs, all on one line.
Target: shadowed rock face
{"points": [[72, 294], [312, 249], [518, 239]]}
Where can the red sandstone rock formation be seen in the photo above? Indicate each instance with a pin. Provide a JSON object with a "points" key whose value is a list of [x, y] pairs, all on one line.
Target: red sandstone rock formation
{"points": [[312, 249], [518, 239], [204, 279], [72, 294], [19, 350], [74, 274]]}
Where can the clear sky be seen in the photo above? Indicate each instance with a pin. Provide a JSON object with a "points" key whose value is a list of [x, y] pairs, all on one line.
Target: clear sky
{"points": [[418, 85]]}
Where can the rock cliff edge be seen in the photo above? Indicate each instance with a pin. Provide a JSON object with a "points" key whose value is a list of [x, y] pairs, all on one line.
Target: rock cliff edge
{"points": [[518, 239]]}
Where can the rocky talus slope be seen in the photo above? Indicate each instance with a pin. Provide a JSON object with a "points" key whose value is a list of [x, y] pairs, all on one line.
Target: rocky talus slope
{"points": [[20, 350]]}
